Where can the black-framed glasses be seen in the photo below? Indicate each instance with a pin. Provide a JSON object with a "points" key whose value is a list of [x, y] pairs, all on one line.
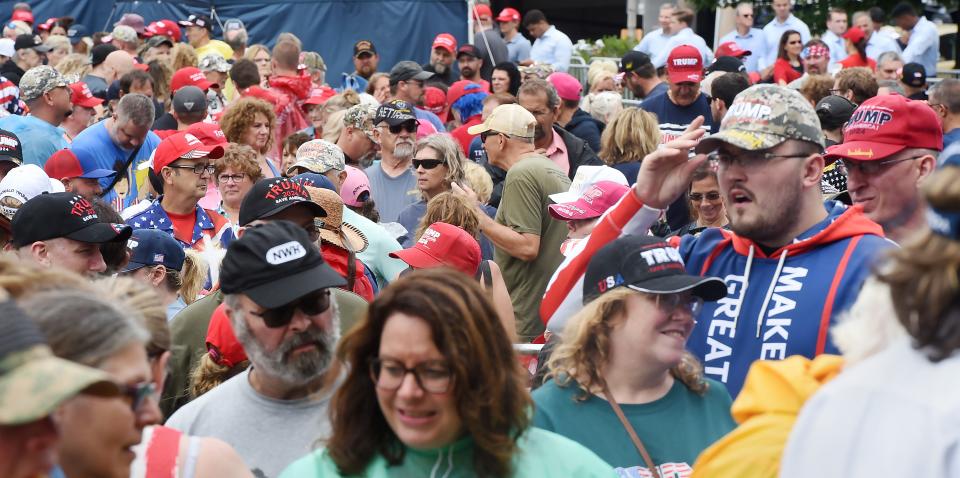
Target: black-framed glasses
{"points": [[869, 168], [408, 126], [711, 196], [197, 169], [314, 303], [426, 163], [138, 393], [231, 178], [431, 376], [747, 159], [488, 133]]}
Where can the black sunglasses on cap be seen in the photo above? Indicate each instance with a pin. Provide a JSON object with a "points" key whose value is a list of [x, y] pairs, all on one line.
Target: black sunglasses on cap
{"points": [[314, 303]]}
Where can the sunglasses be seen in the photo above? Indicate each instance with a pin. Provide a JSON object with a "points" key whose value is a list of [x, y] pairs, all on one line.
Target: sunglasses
{"points": [[138, 393], [314, 303], [426, 163], [711, 196], [487, 134], [409, 127]]}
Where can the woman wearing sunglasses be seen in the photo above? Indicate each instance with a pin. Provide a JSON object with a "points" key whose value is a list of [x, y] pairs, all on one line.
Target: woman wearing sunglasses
{"points": [[621, 381], [706, 205], [433, 388], [788, 66]]}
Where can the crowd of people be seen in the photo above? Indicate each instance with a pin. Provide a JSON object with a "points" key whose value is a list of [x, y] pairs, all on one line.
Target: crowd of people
{"points": [[219, 261]]}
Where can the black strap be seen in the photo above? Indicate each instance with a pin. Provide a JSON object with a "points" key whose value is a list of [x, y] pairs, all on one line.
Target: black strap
{"points": [[121, 170], [484, 273]]}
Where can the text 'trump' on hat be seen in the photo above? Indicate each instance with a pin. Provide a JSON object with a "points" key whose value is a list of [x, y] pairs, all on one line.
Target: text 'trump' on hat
{"points": [[270, 196], [885, 125], [49, 216]]}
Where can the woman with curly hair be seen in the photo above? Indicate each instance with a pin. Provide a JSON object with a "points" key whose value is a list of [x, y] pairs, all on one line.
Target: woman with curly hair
{"points": [[621, 381], [633, 134], [434, 388], [251, 121]]}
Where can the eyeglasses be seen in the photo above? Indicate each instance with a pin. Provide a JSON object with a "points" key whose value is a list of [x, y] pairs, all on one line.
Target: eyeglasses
{"points": [[669, 303], [138, 393], [869, 168], [409, 127], [711, 196], [426, 163], [231, 178], [433, 376], [197, 169], [488, 133], [314, 303], [747, 159]]}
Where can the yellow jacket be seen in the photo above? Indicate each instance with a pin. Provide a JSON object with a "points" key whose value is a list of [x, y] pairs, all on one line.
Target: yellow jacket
{"points": [[766, 409]]}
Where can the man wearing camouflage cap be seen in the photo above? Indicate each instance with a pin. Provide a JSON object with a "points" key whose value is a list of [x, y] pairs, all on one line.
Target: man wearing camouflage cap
{"points": [[321, 157], [215, 67], [33, 383], [792, 262], [357, 139], [47, 93]]}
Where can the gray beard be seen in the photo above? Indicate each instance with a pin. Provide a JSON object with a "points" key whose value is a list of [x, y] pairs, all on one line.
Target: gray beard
{"points": [[440, 68], [308, 366], [403, 151]]}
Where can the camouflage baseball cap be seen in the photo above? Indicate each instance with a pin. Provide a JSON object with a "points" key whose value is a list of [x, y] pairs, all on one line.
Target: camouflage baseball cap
{"points": [[762, 117], [361, 117], [33, 382], [319, 156], [214, 62], [41, 79]]}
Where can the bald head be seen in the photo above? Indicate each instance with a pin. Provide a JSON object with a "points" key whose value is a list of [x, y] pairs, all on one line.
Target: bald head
{"points": [[120, 63]]}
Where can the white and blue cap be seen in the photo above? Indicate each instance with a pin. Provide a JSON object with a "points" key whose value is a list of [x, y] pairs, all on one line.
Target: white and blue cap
{"points": [[150, 247]]}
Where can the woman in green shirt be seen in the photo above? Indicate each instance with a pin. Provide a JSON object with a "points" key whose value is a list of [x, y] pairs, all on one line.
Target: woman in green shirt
{"points": [[434, 389], [623, 384]]}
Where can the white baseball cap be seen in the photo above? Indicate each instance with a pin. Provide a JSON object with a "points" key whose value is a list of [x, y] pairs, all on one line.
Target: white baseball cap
{"points": [[22, 184], [6, 47], [588, 176]]}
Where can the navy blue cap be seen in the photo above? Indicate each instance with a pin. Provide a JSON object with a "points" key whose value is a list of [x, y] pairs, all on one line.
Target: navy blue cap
{"points": [[76, 32], [315, 180], [150, 247]]}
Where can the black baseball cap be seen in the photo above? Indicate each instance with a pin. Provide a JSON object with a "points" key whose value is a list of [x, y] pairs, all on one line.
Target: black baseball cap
{"points": [[272, 195], [634, 60], [30, 41], [834, 111], [394, 112], [468, 49], [189, 99], [364, 46], [10, 147], [408, 70], [197, 21], [49, 216], [914, 74], [729, 64], [275, 264], [645, 264], [98, 54]]}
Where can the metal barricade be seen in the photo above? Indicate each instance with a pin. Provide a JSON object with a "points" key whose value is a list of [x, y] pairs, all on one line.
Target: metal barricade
{"points": [[527, 349]]}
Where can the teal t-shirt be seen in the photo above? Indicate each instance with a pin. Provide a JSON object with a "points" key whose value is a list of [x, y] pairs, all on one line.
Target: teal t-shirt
{"points": [[541, 453], [674, 429]]}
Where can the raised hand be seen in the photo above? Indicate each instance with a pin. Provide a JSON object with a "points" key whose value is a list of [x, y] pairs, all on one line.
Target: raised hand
{"points": [[665, 173]]}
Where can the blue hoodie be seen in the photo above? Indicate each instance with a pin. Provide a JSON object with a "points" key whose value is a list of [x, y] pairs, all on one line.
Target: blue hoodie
{"points": [[782, 304], [777, 305]]}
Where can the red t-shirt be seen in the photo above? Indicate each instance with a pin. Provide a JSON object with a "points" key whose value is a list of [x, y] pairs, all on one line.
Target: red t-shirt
{"points": [[784, 71], [462, 136], [854, 60], [183, 225]]}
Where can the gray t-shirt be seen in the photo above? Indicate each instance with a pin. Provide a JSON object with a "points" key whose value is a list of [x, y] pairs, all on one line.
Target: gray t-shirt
{"points": [[392, 195], [498, 48], [269, 434]]}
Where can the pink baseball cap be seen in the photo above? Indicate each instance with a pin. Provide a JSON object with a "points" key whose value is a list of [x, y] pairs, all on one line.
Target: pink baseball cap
{"points": [[568, 87], [355, 190], [685, 65], [594, 201], [441, 245]]}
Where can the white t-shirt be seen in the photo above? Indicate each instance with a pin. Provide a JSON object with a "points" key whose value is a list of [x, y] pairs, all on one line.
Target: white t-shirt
{"points": [[269, 434], [894, 414]]}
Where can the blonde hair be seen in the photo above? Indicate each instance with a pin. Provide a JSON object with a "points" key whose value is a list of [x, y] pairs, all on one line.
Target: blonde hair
{"points": [[130, 294], [58, 42], [182, 55], [603, 106], [452, 209], [478, 179], [252, 51], [74, 64], [191, 279], [450, 153], [333, 126], [633, 134], [599, 70], [20, 278], [207, 374], [585, 346]]}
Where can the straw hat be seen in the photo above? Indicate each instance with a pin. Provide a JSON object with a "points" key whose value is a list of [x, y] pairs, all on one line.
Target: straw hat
{"points": [[332, 228]]}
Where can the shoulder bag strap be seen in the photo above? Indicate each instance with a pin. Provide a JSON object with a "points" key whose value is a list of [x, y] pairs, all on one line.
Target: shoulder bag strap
{"points": [[630, 431], [121, 171]]}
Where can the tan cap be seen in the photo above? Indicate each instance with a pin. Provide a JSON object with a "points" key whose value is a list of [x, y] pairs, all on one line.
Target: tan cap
{"points": [[512, 120]]}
